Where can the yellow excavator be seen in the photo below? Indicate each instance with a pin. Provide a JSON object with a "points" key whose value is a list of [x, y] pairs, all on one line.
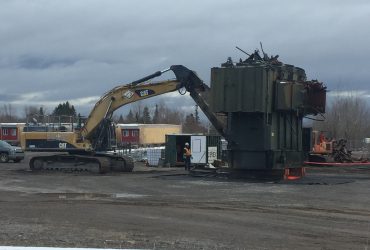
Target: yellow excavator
{"points": [[91, 147]]}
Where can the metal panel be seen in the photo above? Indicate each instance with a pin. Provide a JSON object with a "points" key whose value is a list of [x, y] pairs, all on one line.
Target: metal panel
{"points": [[170, 150], [298, 93], [307, 139], [289, 96], [198, 147], [283, 100], [212, 154], [242, 89], [214, 141]]}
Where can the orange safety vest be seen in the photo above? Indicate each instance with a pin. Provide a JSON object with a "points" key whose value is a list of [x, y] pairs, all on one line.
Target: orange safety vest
{"points": [[187, 152]]}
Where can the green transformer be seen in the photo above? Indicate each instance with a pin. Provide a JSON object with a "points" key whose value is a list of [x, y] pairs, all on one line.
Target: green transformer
{"points": [[264, 102]]}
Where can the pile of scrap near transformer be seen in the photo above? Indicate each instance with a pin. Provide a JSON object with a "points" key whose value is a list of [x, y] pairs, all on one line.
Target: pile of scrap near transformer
{"points": [[256, 104], [331, 152]]}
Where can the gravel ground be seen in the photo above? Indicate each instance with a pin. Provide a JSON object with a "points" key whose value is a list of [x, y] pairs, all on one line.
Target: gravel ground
{"points": [[159, 208]]}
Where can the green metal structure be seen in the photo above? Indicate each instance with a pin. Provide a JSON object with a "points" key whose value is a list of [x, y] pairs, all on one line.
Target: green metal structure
{"points": [[264, 102]]}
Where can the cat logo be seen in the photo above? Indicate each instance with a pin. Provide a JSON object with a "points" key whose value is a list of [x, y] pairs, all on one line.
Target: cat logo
{"points": [[144, 92]]}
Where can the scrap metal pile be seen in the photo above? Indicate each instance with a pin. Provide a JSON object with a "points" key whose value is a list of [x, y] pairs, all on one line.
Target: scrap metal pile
{"points": [[334, 152], [340, 151]]}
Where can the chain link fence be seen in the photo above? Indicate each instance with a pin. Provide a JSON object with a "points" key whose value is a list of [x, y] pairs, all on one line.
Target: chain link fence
{"points": [[359, 147], [149, 154]]}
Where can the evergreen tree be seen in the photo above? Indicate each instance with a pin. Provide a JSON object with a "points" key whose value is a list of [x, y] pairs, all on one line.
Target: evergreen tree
{"points": [[41, 115], [64, 111], [130, 118], [192, 126], [137, 118], [79, 122], [41, 111], [156, 118], [189, 125], [197, 119], [120, 119], [146, 116]]}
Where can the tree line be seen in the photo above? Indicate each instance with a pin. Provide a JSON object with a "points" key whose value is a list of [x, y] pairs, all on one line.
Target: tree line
{"points": [[65, 112], [346, 118], [162, 114]]}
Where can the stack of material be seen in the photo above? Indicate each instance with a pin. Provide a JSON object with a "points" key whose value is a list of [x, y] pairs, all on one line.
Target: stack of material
{"points": [[153, 155], [138, 154], [150, 155]]}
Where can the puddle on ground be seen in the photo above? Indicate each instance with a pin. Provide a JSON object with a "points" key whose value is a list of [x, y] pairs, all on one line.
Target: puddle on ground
{"points": [[127, 195], [90, 196]]}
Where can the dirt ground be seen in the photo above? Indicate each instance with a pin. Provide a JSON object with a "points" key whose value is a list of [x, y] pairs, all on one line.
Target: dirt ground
{"points": [[160, 208]]}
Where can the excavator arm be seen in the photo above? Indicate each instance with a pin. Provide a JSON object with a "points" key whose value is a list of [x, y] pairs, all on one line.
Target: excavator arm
{"points": [[99, 119], [121, 96]]}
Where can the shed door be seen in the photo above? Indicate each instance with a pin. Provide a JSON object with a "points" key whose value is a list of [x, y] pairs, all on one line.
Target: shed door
{"points": [[198, 149]]}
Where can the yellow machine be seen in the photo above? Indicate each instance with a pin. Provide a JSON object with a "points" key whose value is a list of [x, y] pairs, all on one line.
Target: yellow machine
{"points": [[321, 145], [327, 150], [92, 144]]}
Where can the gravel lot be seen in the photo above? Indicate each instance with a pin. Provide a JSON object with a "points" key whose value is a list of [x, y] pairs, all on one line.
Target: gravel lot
{"points": [[159, 208]]}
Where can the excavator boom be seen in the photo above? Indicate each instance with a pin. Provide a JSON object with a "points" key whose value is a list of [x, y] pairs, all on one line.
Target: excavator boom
{"points": [[121, 96], [139, 90]]}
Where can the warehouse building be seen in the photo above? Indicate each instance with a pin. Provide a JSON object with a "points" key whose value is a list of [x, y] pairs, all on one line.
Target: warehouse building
{"points": [[145, 134], [10, 132], [126, 134]]}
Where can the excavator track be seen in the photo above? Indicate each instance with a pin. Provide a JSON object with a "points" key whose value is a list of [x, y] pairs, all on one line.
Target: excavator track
{"points": [[121, 163], [78, 163]]}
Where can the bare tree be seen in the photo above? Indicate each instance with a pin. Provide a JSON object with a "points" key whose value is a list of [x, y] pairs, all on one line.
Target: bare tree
{"points": [[137, 109], [165, 114], [8, 113], [347, 117], [30, 112], [192, 125]]}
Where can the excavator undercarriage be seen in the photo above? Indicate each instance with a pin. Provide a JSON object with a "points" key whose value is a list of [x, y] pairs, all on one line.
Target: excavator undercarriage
{"points": [[78, 162]]}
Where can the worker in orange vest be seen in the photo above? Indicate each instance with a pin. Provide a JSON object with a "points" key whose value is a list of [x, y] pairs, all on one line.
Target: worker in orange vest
{"points": [[187, 156]]}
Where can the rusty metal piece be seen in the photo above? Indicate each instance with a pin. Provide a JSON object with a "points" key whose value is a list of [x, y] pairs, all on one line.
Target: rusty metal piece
{"points": [[315, 100]]}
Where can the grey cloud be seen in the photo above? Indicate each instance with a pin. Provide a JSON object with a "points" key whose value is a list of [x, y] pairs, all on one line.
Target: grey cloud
{"points": [[4, 98], [39, 62]]}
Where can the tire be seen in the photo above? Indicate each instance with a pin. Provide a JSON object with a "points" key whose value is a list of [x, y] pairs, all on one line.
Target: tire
{"points": [[4, 157]]}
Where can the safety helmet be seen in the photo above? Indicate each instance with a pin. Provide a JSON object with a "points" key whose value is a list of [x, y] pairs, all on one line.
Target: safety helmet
{"points": [[186, 143]]}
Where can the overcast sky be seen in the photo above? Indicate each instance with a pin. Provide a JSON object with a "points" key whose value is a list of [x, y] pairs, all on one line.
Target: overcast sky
{"points": [[57, 51]]}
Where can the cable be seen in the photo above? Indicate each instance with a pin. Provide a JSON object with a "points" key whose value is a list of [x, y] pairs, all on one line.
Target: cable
{"points": [[310, 118]]}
